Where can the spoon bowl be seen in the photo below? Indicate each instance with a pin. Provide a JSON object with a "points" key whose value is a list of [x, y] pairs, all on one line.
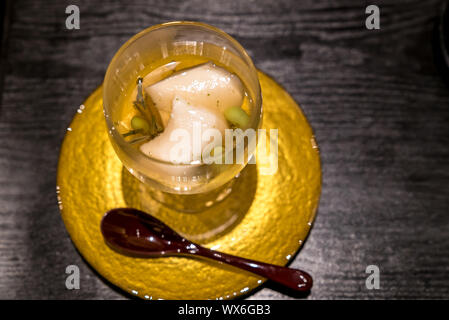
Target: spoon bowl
{"points": [[136, 233]]}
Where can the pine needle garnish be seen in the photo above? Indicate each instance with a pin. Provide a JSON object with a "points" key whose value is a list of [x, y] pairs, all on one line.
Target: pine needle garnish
{"points": [[148, 112]]}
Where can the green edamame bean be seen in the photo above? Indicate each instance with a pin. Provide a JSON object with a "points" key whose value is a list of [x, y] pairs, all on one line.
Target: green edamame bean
{"points": [[237, 116], [139, 123]]}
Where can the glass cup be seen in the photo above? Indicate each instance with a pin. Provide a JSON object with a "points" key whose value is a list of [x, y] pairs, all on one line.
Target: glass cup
{"points": [[192, 186]]}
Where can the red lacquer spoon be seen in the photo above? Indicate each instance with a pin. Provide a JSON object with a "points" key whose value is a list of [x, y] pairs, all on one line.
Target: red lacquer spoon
{"points": [[136, 233]]}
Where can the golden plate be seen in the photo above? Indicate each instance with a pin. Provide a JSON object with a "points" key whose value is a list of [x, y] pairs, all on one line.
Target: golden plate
{"points": [[267, 218]]}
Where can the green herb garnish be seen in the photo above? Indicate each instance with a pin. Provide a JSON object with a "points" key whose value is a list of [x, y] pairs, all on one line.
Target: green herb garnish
{"points": [[131, 133], [148, 122]]}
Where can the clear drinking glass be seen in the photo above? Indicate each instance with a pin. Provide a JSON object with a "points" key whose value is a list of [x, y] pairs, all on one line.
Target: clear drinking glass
{"points": [[193, 184]]}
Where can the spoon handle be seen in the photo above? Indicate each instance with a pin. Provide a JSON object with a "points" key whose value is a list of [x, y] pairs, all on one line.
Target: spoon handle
{"points": [[297, 280]]}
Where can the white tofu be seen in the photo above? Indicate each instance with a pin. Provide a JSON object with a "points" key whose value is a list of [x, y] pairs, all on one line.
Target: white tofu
{"points": [[190, 118], [204, 85]]}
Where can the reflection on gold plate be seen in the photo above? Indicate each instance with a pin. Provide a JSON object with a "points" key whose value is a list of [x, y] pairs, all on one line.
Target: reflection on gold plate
{"points": [[266, 217]]}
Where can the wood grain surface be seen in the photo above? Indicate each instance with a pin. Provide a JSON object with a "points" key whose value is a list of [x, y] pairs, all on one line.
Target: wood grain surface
{"points": [[376, 99]]}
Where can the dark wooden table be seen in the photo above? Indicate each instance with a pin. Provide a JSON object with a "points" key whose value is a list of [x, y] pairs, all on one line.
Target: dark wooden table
{"points": [[376, 99]]}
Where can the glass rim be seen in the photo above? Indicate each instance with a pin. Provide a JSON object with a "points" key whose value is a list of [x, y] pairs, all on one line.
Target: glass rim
{"points": [[121, 141]]}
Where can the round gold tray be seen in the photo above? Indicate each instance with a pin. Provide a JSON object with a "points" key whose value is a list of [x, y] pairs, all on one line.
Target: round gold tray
{"points": [[266, 217]]}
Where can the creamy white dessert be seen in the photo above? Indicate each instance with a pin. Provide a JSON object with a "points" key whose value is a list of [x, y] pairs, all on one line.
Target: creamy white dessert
{"points": [[177, 142], [194, 97], [205, 85], [182, 116]]}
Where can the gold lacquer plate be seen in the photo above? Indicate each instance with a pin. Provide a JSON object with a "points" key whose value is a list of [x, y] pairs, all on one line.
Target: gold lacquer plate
{"points": [[266, 217]]}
